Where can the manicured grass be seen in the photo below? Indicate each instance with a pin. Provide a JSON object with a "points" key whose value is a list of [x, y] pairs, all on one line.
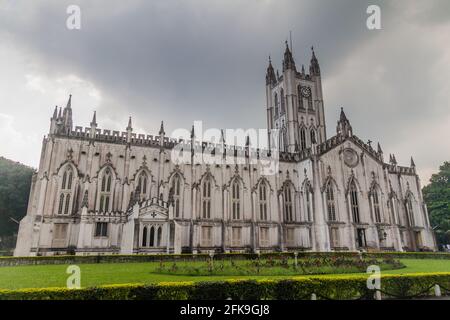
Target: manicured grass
{"points": [[100, 274]]}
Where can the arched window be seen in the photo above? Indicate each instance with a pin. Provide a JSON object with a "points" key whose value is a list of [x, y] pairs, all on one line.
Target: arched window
{"points": [[142, 185], [376, 205], [66, 191], [331, 207], [288, 202], [144, 237], [313, 135], [354, 202], [176, 187], [284, 136], [276, 105], [235, 199], [300, 98], [308, 195], [410, 211], [263, 201], [158, 236], [282, 102], [303, 138], [310, 103], [206, 198], [152, 237], [105, 191], [61, 203]]}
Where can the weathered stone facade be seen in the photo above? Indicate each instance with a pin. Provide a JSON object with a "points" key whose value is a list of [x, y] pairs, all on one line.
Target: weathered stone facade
{"points": [[99, 192]]}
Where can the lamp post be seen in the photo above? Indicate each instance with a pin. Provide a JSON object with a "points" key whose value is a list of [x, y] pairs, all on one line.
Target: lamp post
{"points": [[295, 259]]}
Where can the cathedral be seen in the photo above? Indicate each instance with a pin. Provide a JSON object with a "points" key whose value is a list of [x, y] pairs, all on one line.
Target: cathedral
{"points": [[100, 191]]}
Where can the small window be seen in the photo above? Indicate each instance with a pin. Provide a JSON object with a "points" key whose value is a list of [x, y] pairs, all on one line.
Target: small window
{"points": [[334, 237], [207, 236], [264, 237], [290, 236], [101, 229], [236, 234]]}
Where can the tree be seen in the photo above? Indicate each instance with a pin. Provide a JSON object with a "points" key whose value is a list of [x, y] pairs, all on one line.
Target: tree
{"points": [[15, 182], [437, 198]]}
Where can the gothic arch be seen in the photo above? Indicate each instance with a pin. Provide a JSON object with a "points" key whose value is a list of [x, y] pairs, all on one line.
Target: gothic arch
{"points": [[329, 179], [352, 179]]}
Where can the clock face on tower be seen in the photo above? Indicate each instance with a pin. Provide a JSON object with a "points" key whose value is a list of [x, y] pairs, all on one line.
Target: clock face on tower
{"points": [[306, 92], [350, 157]]}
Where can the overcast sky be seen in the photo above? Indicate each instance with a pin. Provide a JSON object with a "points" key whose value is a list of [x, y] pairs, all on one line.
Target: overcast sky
{"points": [[181, 61]]}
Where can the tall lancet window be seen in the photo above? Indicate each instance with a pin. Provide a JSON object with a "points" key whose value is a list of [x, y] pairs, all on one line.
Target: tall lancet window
{"points": [[310, 103], [308, 196], [376, 205], [282, 102], [263, 201], [142, 185], [206, 198], [105, 191], [288, 212], [236, 199], [410, 211], [302, 138], [276, 105], [176, 187], [331, 206], [284, 143], [300, 98], [313, 136], [354, 205], [144, 237], [66, 192]]}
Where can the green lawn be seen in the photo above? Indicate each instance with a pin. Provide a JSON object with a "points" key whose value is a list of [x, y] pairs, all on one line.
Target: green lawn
{"points": [[100, 274]]}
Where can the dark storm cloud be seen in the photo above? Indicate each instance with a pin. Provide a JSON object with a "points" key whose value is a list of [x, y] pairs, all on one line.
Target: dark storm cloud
{"points": [[181, 61]]}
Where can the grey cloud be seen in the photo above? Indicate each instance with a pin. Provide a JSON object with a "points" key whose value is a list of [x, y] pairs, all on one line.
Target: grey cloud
{"points": [[181, 61]]}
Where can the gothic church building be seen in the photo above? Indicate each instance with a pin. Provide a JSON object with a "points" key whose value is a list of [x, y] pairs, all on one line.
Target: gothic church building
{"points": [[109, 192]]}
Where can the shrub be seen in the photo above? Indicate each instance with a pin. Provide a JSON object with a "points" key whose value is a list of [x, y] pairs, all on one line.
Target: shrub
{"points": [[329, 287]]}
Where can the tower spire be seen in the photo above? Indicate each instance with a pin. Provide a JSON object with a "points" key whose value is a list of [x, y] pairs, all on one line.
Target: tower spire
{"points": [[94, 119], [129, 127], [314, 68], [413, 165], [288, 61], [67, 116], [343, 126], [379, 148], [270, 74], [161, 130], [55, 113], [69, 102]]}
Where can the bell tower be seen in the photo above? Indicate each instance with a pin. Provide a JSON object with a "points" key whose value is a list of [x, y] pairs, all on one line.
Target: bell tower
{"points": [[294, 104]]}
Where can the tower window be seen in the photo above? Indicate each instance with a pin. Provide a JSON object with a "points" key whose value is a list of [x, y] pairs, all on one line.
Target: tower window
{"points": [[105, 191], [303, 138], [354, 202], [263, 201], [288, 203], [64, 206], [176, 187], [206, 201], [376, 206], [235, 200], [331, 208]]}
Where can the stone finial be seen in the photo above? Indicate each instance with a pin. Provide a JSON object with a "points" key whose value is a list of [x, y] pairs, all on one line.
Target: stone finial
{"points": [[161, 130], [94, 119], [129, 127], [413, 165]]}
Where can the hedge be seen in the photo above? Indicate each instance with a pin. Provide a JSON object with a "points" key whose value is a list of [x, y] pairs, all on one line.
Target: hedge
{"points": [[74, 259], [325, 287]]}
